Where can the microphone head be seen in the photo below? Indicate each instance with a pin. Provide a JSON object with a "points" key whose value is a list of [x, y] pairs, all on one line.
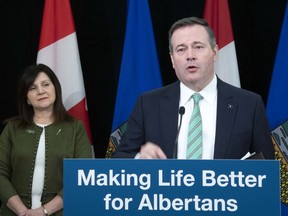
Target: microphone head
{"points": [[181, 110]]}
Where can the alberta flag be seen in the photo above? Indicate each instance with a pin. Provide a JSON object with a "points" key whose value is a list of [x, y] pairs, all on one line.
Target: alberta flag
{"points": [[277, 110], [139, 70], [58, 49], [217, 14]]}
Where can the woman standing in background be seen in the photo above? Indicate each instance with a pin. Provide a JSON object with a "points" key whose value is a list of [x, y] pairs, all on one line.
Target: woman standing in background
{"points": [[34, 144]]}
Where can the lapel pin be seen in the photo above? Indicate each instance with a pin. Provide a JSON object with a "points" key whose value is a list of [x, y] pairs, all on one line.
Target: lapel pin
{"points": [[30, 131], [230, 106]]}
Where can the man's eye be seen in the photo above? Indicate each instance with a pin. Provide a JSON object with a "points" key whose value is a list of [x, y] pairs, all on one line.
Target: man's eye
{"points": [[181, 51]]}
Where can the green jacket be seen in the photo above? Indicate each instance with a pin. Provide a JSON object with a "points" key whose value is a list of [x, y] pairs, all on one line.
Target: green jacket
{"points": [[18, 148]]}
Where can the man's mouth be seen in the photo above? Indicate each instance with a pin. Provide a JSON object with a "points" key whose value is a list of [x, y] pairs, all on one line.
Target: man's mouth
{"points": [[191, 68]]}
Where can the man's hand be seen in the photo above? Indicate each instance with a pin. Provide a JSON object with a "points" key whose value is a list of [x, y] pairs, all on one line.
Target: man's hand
{"points": [[151, 151]]}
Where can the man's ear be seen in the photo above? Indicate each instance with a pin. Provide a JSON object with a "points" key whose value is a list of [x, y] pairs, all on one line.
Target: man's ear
{"points": [[216, 51], [172, 60]]}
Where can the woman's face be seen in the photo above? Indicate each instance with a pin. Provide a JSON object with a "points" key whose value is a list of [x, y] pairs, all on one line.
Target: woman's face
{"points": [[41, 94]]}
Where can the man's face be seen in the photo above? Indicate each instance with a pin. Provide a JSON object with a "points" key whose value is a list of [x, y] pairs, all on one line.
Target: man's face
{"points": [[192, 56]]}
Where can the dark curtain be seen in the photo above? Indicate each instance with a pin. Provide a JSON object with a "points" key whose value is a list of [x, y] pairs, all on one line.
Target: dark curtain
{"points": [[100, 27]]}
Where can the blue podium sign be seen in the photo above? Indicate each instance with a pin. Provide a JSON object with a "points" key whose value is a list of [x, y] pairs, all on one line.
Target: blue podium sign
{"points": [[171, 187]]}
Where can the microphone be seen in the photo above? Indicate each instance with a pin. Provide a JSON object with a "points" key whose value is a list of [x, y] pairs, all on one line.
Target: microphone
{"points": [[181, 113]]}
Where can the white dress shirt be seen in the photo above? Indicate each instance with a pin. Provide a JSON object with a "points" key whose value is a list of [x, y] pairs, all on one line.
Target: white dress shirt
{"points": [[208, 109], [39, 172]]}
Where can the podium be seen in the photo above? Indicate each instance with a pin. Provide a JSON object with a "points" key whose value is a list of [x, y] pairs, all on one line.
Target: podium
{"points": [[171, 187]]}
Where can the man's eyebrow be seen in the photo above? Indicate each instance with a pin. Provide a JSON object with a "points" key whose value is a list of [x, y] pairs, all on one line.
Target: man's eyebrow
{"points": [[181, 45], [194, 43], [198, 42]]}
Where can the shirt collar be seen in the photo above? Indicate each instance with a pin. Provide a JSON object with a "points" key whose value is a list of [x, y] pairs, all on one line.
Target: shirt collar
{"points": [[209, 93]]}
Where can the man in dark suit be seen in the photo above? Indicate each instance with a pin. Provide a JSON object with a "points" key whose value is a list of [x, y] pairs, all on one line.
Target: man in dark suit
{"points": [[233, 122]]}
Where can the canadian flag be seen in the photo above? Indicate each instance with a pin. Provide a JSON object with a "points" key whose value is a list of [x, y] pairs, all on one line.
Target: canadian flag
{"points": [[216, 12], [58, 49]]}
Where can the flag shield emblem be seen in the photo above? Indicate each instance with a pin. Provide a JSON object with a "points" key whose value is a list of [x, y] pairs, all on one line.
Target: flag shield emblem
{"points": [[280, 141]]}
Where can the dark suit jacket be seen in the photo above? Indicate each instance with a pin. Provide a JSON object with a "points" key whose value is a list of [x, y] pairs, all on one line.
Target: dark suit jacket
{"points": [[241, 125]]}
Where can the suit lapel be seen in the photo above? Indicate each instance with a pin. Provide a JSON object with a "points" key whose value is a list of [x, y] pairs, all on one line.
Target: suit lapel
{"points": [[169, 106], [226, 111]]}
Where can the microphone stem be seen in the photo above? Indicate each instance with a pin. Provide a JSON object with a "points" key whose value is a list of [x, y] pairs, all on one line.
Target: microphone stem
{"points": [[181, 112]]}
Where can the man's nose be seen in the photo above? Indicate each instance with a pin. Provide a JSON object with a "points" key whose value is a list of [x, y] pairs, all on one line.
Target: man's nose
{"points": [[190, 55]]}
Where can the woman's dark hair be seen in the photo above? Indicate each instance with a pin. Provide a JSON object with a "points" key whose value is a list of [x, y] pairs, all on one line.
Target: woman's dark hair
{"points": [[25, 110]]}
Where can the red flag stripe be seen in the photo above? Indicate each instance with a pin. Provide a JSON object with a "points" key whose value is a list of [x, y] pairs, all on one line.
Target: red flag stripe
{"points": [[79, 110], [57, 38], [219, 21], [217, 14], [57, 22]]}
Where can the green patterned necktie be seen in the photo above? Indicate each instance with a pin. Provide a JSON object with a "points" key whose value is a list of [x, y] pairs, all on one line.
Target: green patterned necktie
{"points": [[194, 145]]}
